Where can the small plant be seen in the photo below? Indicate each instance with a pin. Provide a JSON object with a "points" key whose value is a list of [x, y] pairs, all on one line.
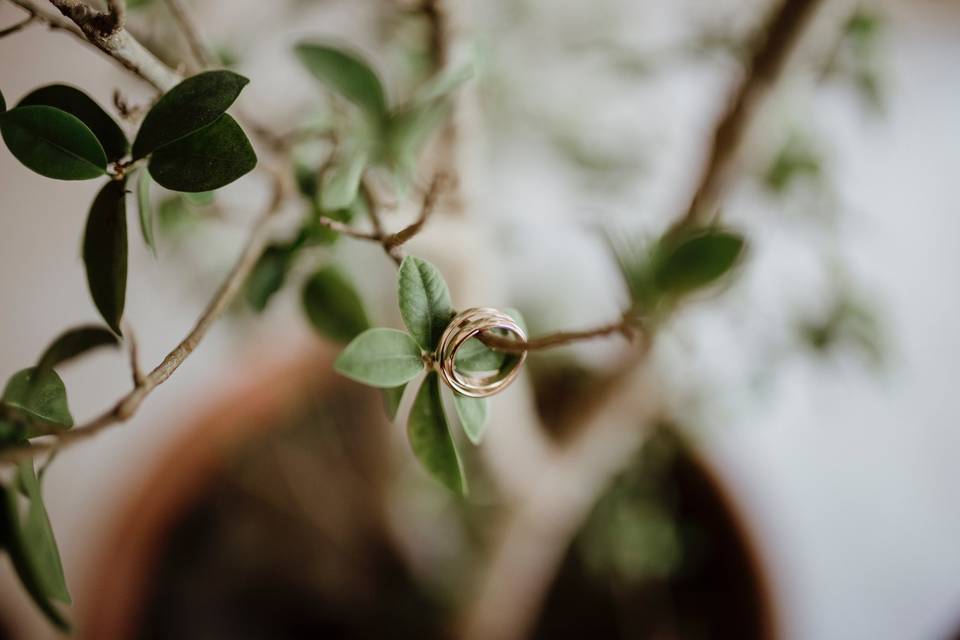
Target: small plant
{"points": [[188, 145]]}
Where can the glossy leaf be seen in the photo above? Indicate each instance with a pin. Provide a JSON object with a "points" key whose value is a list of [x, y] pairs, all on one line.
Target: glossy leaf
{"points": [[206, 160], [473, 416], [146, 210], [342, 181], [694, 262], [76, 102], [347, 74], [3, 103], [53, 143], [14, 539], [424, 301], [41, 546], [430, 438], [76, 342], [333, 305], [194, 104], [392, 398], [105, 252], [268, 275], [40, 395], [381, 358]]}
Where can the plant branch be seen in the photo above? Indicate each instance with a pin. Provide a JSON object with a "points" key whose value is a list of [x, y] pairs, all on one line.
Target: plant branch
{"points": [[625, 326], [198, 48], [771, 48], [128, 405], [536, 532], [104, 31], [52, 21], [18, 26], [395, 240]]}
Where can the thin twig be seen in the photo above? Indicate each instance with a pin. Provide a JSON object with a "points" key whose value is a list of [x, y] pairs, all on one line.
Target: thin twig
{"points": [[191, 33], [128, 405], [52, 21], [18, 26], [771, 49], [134, 353], [347, 230], [395, 240], [98, 29], [625, 327]]}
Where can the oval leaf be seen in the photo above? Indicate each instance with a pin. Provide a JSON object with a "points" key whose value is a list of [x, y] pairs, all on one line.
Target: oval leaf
{"points": [[76, 102], [342, 181], [195, 103], [424, 301], [40, 395], [696, 261], [205, 160], [145, 209], [473, 416], [347, 74], [75, 342], [430, 438], [53, 143], [14, 538], [381, 358], [268, 275], [333, 305], [40, 544], [105, 252], [392, 398]]}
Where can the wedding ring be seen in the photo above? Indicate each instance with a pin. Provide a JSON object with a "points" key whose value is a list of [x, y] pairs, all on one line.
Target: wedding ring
{"points": [[468, 324]]}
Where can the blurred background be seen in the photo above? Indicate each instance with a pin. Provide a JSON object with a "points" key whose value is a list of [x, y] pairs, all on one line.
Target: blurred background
{"points": [[801, 480]]}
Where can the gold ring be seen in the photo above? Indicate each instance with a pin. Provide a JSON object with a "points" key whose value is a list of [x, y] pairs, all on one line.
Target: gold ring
{"points": [[465, 325]]}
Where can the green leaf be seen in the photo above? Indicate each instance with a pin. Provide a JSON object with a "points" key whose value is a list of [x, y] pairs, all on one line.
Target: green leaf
{"points": [[408, 130], [105, 252], [333, 305], [206, 160], [381, 358], [430, 438], [268, 275], [347, 74], [53, 143], [14, 538], [424, 301], [476, 356], [38, 394], [392, 398], [146, 210], [76, 102], [194, 104], [75, 342], [443, 84], [3, 103], [342, 181], [473, 416], [693, 262], [41, 546]]}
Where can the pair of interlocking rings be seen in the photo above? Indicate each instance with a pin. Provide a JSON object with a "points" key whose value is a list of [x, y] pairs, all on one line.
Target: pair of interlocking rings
{"points": [[469, 324]]}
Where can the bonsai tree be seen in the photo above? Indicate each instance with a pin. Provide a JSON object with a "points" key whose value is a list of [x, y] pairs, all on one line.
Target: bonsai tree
{"points": [[340, 175]]}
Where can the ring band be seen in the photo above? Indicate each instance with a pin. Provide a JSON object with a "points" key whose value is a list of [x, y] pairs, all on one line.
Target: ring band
{"points": [[465, 325]]}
